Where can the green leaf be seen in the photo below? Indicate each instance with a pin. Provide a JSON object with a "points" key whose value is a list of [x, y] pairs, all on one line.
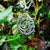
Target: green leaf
{"points": [[13, 23], [21, 40], [35, 22], [31, 48], [10, 37], [32, 35], [41, 15], [47, 42], [16, 43], [42, 12], [49, 14], [14, 26], [16, 35], [42, 32], [33, 14], [24, 47], [6, 15], [36, 11]]}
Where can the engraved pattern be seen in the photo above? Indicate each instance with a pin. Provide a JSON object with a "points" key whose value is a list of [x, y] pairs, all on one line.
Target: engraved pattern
{"points": [[25, 24]]}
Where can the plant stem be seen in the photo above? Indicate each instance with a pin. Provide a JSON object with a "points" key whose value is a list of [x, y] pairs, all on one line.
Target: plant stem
{"points": [[42, 2], [34, 4], [8, 40], [36, 7], [39, 24]]}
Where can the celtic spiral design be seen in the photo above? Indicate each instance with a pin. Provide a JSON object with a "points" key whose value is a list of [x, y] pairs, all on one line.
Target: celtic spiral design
{"points": [[25, 24]]}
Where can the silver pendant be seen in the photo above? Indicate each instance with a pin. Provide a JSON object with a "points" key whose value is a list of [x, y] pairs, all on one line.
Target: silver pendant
{"points": [[25, 24]]}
